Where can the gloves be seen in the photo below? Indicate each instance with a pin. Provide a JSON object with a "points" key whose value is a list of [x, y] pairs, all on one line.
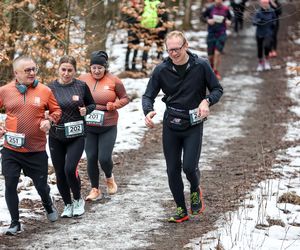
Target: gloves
{"points": [[110, 106]]}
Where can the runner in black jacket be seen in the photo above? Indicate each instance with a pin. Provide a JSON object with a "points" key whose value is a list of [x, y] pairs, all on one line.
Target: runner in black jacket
{"points": [[184, 79]]}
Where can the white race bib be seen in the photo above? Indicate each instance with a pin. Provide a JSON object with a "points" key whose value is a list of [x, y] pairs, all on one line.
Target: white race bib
{"points": [[16, 140], [194, 118], [73, 129], [95, 118], [218, 18]]}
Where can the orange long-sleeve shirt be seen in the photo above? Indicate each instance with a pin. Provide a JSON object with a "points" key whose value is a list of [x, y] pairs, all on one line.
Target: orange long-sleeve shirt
{"points": [[25, 113], [108, 89]]}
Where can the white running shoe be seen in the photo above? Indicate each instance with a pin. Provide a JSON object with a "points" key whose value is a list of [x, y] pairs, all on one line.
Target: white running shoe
{"points": [[68, 211], [260, 67], [52, 216], [267, 65], [14, 228], [78, 207]]}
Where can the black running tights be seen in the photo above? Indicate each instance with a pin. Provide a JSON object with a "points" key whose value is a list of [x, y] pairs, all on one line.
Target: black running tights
{"points": [[65, 157], [98, 148], [263, 46], [182, 151], [11, 195]]}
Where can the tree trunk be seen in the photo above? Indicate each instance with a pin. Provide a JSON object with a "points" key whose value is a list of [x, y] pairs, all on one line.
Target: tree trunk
{"points": [[186, 25]]}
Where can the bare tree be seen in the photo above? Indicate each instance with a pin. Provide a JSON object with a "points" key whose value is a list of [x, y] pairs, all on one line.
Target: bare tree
{"points": [[186, 25]]}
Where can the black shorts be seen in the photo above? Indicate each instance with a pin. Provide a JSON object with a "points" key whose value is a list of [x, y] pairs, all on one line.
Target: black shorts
{"points": [[215, 43], [32, 163]]}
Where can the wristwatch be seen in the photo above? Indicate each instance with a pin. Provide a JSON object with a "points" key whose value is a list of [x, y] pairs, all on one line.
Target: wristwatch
{"points": [[207, 99]]}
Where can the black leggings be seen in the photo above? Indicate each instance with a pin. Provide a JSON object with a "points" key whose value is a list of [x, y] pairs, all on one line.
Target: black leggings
{"points": [[99, 147], [189, 143], [65, 156], [263, 46], [35, 166]]}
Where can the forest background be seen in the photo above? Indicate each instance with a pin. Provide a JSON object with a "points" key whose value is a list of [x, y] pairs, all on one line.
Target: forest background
{"points": [[46, 30]]}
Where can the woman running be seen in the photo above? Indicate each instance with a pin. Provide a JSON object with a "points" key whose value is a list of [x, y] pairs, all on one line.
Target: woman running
{"points": [[109, 94], [66, 139]]}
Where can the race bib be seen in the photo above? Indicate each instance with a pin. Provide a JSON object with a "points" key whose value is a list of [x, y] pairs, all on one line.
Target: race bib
{"points": [[15, 140], [194, 118], [95, 118], [73, 129], [218, 18]]}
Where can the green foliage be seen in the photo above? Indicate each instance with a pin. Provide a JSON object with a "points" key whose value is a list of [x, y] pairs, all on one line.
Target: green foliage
{"points": [[149, 17]]}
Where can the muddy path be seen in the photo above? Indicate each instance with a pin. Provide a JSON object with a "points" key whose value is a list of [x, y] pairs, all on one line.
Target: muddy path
{"points": [[237, 154]]}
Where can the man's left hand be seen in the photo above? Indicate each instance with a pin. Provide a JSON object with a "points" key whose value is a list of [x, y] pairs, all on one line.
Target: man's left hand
{"points": [[203, 109], [45, 125]]}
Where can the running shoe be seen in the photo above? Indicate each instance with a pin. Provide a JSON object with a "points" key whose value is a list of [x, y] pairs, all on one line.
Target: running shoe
{"points": [[111, 185], [94, 195], [52, 214], [260, 67], [68, 211], [197, 202], [14, 228], [78, 207], [267, 65], [180, 216]]}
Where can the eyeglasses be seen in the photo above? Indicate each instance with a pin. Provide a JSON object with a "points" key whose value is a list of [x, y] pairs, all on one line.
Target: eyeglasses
{"points": [[28, 70], [64, 70], [100, 68], [176, 50]]}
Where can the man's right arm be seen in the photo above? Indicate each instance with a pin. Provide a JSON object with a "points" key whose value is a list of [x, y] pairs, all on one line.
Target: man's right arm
{"points": [[151, 92]]}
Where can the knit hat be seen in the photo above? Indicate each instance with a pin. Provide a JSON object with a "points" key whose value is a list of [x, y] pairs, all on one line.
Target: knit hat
{"points": [[99, 57]]}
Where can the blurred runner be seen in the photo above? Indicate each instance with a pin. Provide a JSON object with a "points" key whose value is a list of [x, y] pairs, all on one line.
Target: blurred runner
{"points": [[218, 18]]}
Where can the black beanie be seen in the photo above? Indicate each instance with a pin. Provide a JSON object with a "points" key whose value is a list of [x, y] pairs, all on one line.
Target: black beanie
{"points": [[99, 57]]}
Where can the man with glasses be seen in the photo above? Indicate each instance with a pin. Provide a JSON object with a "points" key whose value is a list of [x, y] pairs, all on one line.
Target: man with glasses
{"points": [[184, 78], [218, 18], [25, 102]]}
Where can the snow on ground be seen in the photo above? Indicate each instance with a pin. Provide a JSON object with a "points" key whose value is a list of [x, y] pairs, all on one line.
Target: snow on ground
{"points": [[262, 222], [239, 230]]}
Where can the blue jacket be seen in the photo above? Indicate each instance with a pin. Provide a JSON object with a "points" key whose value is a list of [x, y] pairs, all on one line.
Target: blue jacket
{"points": [[265, 20]]}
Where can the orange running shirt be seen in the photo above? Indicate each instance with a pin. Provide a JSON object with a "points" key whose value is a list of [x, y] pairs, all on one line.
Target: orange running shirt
{"points": [[25, 113], [108, 89]]}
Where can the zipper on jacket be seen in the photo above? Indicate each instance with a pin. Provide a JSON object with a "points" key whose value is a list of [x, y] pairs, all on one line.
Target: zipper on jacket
{"points": [[95, 85]]}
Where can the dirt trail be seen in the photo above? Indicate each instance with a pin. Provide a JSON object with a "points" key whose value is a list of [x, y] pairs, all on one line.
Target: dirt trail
{"points": [[230, 169]]}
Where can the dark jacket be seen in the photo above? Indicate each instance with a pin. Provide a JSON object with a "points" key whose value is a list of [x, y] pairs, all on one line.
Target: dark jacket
{"points": [[70, 97], [277, 8], [238, 6], [265, 20], [185, 92]]}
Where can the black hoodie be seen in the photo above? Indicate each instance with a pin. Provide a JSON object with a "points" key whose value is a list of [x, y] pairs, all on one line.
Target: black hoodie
{"points": [[185, 92]]}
